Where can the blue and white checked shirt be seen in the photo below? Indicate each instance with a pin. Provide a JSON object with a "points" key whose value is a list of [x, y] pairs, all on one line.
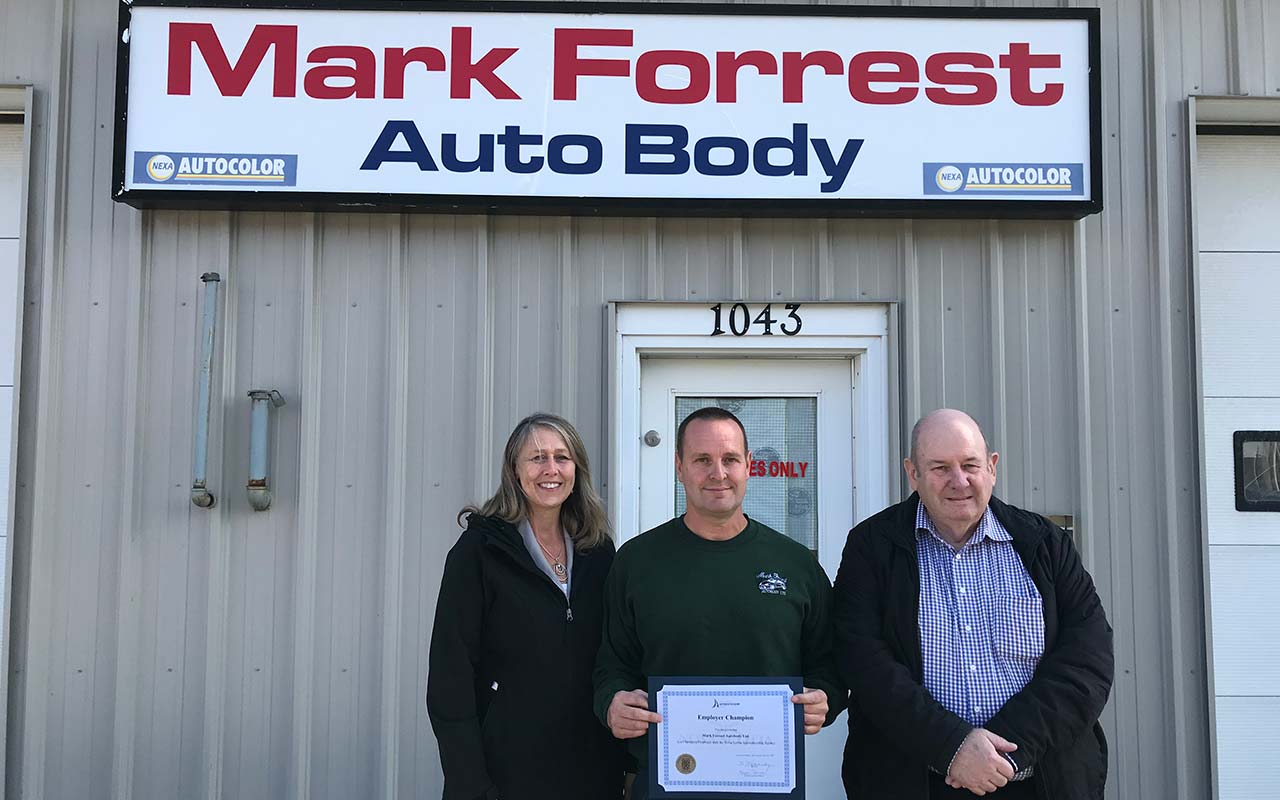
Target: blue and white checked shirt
{"points": [[981, 620]]}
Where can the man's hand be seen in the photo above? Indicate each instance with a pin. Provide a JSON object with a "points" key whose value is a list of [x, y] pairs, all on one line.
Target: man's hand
{"points": [[815, 708], [979, 765], [629, 714]]}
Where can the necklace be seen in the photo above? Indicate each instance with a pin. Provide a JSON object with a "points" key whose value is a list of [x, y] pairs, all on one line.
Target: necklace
{"points": [[557, 566]]}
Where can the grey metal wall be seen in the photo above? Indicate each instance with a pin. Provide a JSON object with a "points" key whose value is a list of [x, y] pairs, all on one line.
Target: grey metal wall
{"points": [[160, 651]]}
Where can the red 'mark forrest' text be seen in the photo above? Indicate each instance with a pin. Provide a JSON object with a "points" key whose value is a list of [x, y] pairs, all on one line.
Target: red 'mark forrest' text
{"points": [[336, 72]]}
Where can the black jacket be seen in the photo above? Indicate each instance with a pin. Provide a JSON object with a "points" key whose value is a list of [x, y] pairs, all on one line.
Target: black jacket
{"points": [[897, 731], [501, 620]]}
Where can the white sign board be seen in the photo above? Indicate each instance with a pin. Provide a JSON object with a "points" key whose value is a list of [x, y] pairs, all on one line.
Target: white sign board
{"points": [[749, 108]]}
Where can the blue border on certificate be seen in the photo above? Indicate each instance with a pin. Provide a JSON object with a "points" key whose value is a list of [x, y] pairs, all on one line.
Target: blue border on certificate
{"points": [[748, 792]]}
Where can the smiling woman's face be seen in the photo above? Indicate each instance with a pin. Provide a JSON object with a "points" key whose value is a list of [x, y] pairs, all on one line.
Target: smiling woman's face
{"points": [[546, 470]]}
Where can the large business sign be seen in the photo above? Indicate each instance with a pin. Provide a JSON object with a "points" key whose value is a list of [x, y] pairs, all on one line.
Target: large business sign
{"points": [[617, 108]]}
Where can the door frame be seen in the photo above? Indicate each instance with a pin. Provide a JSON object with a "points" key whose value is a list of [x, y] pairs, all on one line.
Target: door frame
{"points": [[16, 103], [860, 331], [1209, 115]]}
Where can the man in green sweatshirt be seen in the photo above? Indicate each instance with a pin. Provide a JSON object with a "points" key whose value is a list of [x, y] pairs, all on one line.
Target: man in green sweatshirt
{"points": [[712, 594]]}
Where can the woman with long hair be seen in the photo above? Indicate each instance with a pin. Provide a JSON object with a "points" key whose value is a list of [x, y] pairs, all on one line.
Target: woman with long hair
{"points": [[517, 628]]}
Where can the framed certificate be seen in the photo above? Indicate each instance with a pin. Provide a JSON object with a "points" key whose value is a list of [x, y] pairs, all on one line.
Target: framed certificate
{"points": [[726, 738]]}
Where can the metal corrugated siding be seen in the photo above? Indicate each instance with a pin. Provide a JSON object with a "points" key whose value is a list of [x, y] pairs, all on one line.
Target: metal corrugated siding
{"points": [[160, 651]]}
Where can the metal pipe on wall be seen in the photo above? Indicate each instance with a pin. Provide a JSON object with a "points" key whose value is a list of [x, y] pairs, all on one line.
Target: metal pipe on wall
{"points": [[200, 494], [258, 489]]}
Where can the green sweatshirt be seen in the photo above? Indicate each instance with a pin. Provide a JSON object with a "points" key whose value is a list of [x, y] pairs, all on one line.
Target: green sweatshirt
{"points": [[758, 604]]}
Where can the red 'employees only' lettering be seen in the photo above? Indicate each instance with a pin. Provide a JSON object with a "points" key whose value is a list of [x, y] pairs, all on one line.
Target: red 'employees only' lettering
{"points": [[879, 77]]}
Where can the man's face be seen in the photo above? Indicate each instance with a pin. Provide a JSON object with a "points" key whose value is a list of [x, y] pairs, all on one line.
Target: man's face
{"points": [[953, 473], [713, 468]]}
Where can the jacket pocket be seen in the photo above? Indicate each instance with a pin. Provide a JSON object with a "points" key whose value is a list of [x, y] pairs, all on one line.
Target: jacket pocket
{"points": [[1019, 628], [491, 722], [495, 738]]}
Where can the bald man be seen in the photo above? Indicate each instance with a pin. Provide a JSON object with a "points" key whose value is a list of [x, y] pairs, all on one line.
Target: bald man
{"points": [[977, 651]]}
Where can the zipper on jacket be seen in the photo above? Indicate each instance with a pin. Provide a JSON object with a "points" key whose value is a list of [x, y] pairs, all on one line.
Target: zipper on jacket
{"points": [[568, 614]]}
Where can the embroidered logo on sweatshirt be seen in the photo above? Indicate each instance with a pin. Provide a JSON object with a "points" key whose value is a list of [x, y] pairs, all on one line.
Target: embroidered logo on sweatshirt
{"points": [[772, 583]]}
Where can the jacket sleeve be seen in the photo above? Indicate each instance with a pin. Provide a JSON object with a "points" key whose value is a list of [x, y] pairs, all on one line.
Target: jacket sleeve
{"points": [[454, 662], [819, 660], [1071, 683], [618, 663], [881, 686]]}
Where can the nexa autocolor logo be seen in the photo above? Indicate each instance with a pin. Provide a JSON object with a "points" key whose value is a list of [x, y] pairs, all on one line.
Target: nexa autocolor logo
{"points": [[215, 169], [1012, 179], [949, 178], [160, 167]]}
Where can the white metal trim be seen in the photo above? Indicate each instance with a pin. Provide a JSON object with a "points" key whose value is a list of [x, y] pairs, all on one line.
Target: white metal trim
{"points": [[1194, 108], [17, 98], [45, 510], [1210, 109]]}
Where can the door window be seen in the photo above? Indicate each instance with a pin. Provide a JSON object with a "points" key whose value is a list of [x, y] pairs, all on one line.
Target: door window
{"points": [[783, 484]]}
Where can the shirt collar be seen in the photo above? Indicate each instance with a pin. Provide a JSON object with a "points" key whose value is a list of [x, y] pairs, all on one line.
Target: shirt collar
{"points": [[988, 527]]}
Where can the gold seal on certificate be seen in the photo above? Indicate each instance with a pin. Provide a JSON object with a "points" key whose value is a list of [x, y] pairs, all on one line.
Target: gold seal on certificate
{"points": [[726, 738]]}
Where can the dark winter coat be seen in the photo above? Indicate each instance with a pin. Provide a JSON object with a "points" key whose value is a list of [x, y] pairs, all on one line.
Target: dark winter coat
{"points": [[509, 688], [897, 731]]}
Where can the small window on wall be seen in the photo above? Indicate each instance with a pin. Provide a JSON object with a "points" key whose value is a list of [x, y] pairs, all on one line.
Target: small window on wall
{"points": [[1257, 457], [1068, 523]]}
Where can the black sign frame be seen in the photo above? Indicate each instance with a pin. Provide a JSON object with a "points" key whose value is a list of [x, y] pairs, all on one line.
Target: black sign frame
{"points": [[616, 206]]}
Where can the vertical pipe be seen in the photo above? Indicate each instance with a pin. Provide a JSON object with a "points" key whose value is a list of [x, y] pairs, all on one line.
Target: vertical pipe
{"points": [[258, 488], [200, 494]]}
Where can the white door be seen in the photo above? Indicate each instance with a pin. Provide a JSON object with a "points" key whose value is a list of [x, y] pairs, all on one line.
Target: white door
{"points": [[11, 137], [798, 414], [1237, 284]]}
